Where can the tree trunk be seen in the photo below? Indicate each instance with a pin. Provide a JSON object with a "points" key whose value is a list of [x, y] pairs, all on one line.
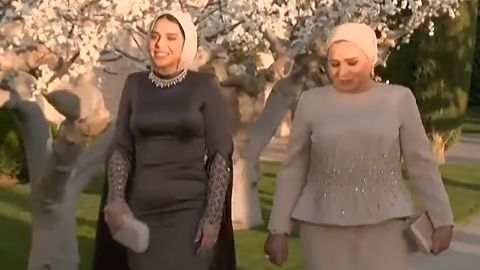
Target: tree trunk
{"points": [[249, 144], [285, 127], [246, 211], [54, 242], [54, 238], [59, 168]]}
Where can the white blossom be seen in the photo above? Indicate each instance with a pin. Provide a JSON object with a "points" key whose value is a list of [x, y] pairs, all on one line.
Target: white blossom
{"points": [[90, 27]]}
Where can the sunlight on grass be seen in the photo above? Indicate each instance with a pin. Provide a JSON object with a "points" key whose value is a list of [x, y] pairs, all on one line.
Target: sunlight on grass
{"points": [[471, 123]]}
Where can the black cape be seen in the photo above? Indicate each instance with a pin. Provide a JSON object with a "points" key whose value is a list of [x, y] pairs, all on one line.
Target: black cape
{"points": [[108, 254]]}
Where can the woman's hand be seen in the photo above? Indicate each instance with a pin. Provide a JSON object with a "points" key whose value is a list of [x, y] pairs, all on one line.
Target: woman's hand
{"points": [[207, 235], [114, 212], [276, 248], [442, 236]]}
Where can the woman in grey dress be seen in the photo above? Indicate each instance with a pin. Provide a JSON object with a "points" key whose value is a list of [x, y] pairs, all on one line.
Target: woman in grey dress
{"points": [[172, 147]]}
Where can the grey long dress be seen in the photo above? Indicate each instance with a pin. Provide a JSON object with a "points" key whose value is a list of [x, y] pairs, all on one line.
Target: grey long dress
{"points": [[163, 137]]}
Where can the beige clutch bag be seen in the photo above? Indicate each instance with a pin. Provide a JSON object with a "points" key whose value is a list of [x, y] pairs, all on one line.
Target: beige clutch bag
{"points": [[421, 231], [133, 235]]}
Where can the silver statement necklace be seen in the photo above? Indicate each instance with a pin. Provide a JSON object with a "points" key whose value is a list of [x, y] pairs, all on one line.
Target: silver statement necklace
{"points": [[166, 83]]}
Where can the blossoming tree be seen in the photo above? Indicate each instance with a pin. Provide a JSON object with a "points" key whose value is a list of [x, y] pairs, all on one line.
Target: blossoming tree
{"points": [[49, 50]]}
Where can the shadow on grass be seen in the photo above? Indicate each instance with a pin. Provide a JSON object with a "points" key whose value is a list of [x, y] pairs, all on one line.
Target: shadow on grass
{"points": [[96, 185], [269, 174], [472, 120], [86, 246], [15, 243], [86, 223], [17, 196], [454, 183], [16, 234]]}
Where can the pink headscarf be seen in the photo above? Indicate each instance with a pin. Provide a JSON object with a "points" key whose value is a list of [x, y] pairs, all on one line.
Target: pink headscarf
{"points": [[359, 34]]}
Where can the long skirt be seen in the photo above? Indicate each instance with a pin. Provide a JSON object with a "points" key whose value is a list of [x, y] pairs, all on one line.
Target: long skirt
{"points": [[381, 246], [171, 243], [108, 254]]}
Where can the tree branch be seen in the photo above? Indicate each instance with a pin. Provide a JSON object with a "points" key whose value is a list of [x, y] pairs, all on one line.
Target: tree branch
{"points": [[107, 71], [87, 5], [284, 94], [244, 82], [65, 67], [4, 98], [27, 58], [112, 59], [183, 5], [210, 3], [139, 46], [3, 8], [141, 30], [65, 101], [66, 148], [275, 44], [238, 79], [129, 56], [19, 82], [92, 160], [222, 32], [33, 126], [281, 68]]}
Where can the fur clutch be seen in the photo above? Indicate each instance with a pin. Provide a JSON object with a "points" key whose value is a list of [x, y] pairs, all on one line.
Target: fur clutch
{"points": [[133, 235]]}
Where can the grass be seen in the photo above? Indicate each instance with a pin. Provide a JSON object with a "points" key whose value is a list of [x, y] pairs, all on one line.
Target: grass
{"points": [[471, 123], [463, 186]]}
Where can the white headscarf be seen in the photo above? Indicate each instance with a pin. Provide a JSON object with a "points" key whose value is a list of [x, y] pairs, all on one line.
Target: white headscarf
{"points": [[359, 34], [190, 30]]}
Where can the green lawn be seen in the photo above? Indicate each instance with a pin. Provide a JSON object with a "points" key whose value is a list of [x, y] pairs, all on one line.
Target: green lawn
{"points": [[471, 123], [463, 185]]}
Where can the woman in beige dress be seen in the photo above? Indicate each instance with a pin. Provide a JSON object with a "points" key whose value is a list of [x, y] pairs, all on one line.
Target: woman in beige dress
{"points": [[342, 177]]}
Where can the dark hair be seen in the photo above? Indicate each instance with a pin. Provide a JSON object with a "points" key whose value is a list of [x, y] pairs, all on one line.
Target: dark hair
{"points": [[172, 19]]}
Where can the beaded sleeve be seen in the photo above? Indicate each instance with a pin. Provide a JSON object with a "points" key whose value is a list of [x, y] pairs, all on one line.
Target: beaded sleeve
{"points": [[122, 148], [218, 138], [119, 167], [219, 178]]}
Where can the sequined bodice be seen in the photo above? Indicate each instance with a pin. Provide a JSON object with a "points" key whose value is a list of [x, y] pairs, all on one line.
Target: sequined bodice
{"points": [[360, 174], [355, 153], [346, 156], [365, 184]]}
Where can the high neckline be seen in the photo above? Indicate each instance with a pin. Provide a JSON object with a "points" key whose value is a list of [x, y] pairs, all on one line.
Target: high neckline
{"points": [[166, 76], [362, 93]]}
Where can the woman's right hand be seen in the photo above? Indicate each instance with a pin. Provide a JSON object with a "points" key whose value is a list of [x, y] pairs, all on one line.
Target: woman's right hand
{"points": [[276, 248], [114, 214]]}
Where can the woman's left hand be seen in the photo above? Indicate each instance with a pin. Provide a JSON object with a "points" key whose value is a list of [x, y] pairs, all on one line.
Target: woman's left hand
{"points": [[207, 235], [442, 236], [114, 214]]}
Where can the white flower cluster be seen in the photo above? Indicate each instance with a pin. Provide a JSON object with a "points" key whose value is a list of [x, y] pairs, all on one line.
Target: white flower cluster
{"points": [[241, 23], [88, 28]]}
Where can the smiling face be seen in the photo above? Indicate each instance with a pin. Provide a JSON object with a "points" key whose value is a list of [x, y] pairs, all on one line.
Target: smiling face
{"points": [[349, 68], [166, 45]]}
